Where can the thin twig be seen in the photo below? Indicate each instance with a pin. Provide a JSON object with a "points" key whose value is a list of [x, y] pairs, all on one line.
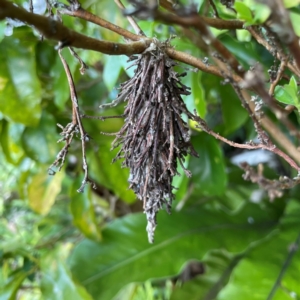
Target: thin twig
{"points": [[281, 139], [31, 6], [198, 22], [261, 134], [273, 187], [249, 146], [83, 65], [212, 4], [85, 15], [196, 39], [255, 33], [280, 18], [196, 62], [131, 20], [293, 249], [278, 77], [212, 22], [254, 82], [102, 118]]}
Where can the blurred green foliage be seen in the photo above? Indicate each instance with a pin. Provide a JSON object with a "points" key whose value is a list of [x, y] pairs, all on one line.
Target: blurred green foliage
{"points": [[58, 244]]}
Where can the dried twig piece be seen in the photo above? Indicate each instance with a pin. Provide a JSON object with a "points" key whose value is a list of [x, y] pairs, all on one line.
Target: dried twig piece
{"points": [[67, 136], [68, 132], [274, 188]]}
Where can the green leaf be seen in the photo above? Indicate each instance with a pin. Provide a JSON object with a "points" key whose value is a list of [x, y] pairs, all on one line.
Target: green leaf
{"points": [[123, 61], [243, 11], [295, 21], [9, 141], [83, 212], [4, 140], [243, 35], [109, 11], [42, 191], [109, 174], [57, 282], [46, 55], [20, 90], [40, 143], [111, 71], [10, 288], [189, 100], [245, 52], [232, 200], [256, 275], [125, 256], [208, 171], [2, 29], [148, 28], [261, 13], [234, 115], [293, 84], [198, 94], [286, 95], [178, 179]]}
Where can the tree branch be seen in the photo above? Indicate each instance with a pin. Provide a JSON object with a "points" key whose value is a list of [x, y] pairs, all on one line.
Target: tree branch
{"points": [[250, 146], [57, 31], [277, 135], [198, 22], [212, 22], [54, 30], [131, 20], [280, 23], [255, 33], [89, 17]]}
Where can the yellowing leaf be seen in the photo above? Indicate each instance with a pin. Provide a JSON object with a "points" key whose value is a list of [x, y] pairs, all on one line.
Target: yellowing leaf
{"points": [[291, 3], [43, 190], [20, 89], [83, 212]]}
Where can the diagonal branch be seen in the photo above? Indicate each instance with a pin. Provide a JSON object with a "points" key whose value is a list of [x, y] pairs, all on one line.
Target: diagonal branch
{"points": [[89, 17], [198, 22], [212, 22], [285, 266], [256, 34], [54, 30], [57, 31], [250, 146], [131, 20], [280, 23]]}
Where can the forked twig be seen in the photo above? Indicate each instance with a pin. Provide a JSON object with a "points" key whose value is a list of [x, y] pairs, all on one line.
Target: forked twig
{"points": [[83, 65], [274, 188], [76, 120], [131, 20], [278, 76], [267, 145]]}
